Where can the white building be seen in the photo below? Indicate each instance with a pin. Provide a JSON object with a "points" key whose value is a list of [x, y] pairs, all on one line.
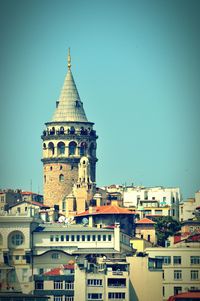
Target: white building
{"points": [[188, 207]]}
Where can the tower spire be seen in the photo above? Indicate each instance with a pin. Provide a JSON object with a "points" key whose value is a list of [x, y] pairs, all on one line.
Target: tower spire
{"points": [[69, 59]]}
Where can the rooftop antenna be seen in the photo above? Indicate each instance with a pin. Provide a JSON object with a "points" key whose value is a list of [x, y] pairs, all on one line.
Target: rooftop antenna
{"points": [[69, 59]]}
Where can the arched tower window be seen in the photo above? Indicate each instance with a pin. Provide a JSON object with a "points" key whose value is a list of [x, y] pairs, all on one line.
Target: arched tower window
{"points": [[83, 148], [15, 239], [72, 148], [44, 145], [52, 131], [51, 148], [61, 178], [61, 148], [92, 150], [62, 131], [72, 130]]}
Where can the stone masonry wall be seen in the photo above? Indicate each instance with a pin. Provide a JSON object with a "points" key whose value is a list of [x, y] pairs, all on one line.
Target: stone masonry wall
{"points": [[56, 189]]}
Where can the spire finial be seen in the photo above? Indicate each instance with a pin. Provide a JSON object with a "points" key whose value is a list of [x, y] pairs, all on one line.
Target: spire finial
{"points": [[69, 59]]}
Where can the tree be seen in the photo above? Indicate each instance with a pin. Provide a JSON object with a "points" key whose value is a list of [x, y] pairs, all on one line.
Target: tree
{"points": [[165, 226]]}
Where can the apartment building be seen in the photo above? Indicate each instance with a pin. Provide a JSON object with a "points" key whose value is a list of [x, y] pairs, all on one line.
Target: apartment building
{"points": [[181, 267], [102, 279]]}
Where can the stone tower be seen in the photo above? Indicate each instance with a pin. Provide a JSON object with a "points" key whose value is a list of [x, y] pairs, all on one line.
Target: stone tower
{"points": [[66, 139]]}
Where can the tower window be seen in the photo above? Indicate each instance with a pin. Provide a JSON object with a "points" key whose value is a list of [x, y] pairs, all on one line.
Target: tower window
{"points": [[45, 179], [72, 148], [83, 148], [51, 148], [61, 148], [51, 168], [61, 178], [61, 167], [62, 130], [44, 145], [92, 150], [72, 130]]}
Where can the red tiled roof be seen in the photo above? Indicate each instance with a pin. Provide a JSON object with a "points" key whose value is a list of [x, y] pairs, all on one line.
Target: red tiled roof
{"points": [[145, 221], [30, 202], [109, 209], [59, 271], [186, 295]]}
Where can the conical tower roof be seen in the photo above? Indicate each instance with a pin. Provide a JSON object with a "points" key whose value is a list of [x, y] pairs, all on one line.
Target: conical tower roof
{"points": [[70, 107]]}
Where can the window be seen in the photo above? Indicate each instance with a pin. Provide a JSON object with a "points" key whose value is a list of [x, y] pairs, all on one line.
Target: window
{"points": [[40, 271], [39, 284], [51, 238], [163, 291], [72, 148], [62, 238], [69, 298], [83, 237], [177, 275], [67, 237], [61, 148], [50, 149], [88, 237], [194, 274], [83, 148], [177, 290], [93, 237], [177, 259], [94, 282], [99, 237], [116, 295], [58, 284], [195, 260], [57, 237], [12, 276], [17, 239], [61, 178], [24, 275], [69, 285], [57, 298], [78, 237], [166, 260], [104, 237], [94, 296], [17, 257], [72, 238], [109, 237], [149, 237], [55, 255]]}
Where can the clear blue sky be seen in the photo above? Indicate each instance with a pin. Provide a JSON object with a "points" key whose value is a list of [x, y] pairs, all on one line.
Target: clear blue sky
{"points": [[137, 68]]}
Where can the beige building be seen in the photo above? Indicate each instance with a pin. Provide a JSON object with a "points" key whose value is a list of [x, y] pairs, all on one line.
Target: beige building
{"points": [[145, 278], [181, 267], [15, 251], [145, 229]]}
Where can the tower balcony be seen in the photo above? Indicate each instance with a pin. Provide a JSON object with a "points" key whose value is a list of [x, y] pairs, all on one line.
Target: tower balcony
{"points": [[78, 134]]}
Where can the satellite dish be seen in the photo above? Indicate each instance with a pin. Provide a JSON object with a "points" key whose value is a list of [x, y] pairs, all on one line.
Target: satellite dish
{"points": [[85, 221], [71, 219], [61, 219], [66, 220]]}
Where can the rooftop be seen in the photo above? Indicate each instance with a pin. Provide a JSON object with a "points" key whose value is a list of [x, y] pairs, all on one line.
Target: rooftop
{"points": [[145, 221], [109, 209]]}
